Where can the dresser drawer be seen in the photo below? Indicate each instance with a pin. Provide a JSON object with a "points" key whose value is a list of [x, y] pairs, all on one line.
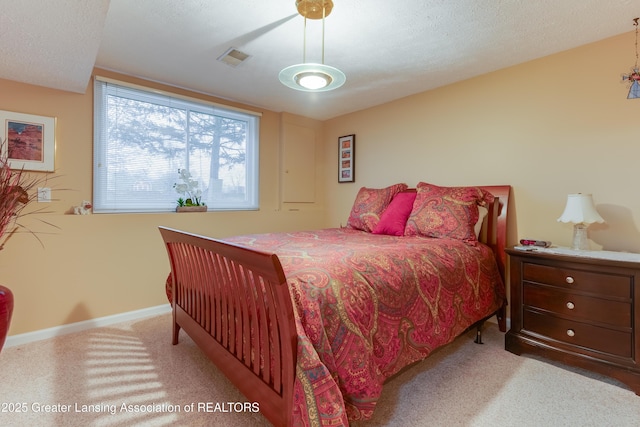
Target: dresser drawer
{"points": [[585, 281], [580, 307], [615, 342]]}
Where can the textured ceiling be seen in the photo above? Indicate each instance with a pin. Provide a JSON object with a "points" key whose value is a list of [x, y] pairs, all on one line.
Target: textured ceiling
{"points": [[387, 49]]}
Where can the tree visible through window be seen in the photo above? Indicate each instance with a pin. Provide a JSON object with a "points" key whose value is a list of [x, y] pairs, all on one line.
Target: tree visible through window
{"points": [[143, 138]]}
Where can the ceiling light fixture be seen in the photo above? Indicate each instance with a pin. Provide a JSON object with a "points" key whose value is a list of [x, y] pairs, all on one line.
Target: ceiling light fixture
{"points": [[634, 77], [312, 77]]}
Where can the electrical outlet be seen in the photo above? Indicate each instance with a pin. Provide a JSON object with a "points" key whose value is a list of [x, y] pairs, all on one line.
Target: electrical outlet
{"points": [[44, 194]]}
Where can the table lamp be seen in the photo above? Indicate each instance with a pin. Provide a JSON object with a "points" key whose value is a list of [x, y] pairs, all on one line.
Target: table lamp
{"points": [[580, 211]]}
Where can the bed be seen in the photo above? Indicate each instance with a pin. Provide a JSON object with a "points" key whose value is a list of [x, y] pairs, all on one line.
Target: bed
{"points": [[311, 324]]}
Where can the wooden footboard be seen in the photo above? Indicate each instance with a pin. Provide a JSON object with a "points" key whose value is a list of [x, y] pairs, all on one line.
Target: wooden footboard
{"points": [[234, 303]]}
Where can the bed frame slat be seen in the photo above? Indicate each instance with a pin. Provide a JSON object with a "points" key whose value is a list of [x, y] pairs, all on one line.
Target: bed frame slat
{"points": [[218, 296], [263, 346]]}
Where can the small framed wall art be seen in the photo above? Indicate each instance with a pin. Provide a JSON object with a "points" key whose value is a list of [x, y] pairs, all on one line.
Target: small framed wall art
{"points": [[28, 141], [347, 158]]}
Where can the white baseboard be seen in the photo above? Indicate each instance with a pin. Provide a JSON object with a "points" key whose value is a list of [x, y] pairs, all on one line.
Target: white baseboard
{"points": [[44, 334]]}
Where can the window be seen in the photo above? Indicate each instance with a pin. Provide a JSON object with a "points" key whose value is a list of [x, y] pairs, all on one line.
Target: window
{"points": [[142, 138]]}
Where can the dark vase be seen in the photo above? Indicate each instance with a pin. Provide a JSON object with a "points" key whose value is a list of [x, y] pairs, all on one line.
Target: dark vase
{"points": [[6, 310]]}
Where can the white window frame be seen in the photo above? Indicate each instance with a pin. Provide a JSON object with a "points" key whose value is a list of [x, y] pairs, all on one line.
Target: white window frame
{"points": [[103, 202]]}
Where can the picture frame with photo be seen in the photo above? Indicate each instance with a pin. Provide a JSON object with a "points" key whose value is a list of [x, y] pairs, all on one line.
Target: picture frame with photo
{"points": [[346, 158], [28, 141]]}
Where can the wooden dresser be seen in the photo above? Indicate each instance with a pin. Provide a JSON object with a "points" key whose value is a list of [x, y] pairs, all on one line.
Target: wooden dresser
{"points": [[582, 311]]}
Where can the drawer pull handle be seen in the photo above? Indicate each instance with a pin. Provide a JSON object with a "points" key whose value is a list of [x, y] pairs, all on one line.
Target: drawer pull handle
{"points": [[569, 280], [571, 305], [571, 332]]}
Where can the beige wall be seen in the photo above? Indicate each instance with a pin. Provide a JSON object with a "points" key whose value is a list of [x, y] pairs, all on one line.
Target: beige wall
{"points": [[104, 264], [550, 127]]}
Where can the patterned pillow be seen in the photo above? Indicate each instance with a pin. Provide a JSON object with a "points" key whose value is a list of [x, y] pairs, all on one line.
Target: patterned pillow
{"points": [[394, 218], [369, 205], [447, 212]]}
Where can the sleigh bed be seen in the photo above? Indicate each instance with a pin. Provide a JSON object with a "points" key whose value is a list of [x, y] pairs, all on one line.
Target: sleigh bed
{"points": [[310, 324]]}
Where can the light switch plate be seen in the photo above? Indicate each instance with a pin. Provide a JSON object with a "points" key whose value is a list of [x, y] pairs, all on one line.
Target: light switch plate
{"points": [[44, 194]]}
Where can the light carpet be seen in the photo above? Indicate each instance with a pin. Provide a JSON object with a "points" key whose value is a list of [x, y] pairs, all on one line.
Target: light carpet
{"points": [[130, 375]]}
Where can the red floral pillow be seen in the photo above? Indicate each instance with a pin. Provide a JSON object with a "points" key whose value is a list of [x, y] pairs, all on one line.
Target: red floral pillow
{"points": [[446, 212], [394, 218], [369, 205]]}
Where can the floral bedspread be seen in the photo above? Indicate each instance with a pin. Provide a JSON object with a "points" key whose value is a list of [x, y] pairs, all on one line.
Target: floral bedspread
{"points": [[368, 305]]}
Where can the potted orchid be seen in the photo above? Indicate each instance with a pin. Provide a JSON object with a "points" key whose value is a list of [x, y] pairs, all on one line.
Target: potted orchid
{"points": [[189, 189]]}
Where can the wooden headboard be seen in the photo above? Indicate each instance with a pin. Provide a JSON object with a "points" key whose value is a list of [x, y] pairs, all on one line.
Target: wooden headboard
{"points": [[494, 231], [494, 227]]}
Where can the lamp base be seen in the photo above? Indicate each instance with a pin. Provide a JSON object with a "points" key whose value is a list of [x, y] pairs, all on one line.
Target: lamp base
{"points": [[580, 239]]}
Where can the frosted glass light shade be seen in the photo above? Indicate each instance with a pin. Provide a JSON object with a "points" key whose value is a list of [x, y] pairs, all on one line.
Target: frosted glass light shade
{"points": [[580, 210], [297, 76]]}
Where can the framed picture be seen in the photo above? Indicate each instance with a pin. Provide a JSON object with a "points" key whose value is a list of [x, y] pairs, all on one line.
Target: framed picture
{"points": [[347, 158], [29, 141]]}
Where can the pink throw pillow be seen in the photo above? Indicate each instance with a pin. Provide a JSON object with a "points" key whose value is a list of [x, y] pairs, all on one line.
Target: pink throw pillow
{"points": [[369, 205], [394, 218], [449, 212]]}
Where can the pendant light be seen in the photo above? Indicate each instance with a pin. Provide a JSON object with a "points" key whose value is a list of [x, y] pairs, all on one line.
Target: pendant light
{"points": [[309, 76]]}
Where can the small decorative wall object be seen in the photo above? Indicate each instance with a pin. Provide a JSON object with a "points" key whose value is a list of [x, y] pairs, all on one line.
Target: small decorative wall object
{"points": [[346, 158], [634, 76], [30, 141]]}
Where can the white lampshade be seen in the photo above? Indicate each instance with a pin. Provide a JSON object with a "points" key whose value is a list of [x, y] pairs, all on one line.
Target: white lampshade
{"points": [[580, 210]]}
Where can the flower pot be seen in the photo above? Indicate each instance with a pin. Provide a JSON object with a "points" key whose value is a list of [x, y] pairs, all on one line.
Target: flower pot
{"points": [[191, 209], [6, 310]]}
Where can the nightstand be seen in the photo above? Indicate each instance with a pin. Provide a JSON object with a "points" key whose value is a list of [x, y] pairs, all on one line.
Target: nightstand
{"points": [[579, 308]]}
